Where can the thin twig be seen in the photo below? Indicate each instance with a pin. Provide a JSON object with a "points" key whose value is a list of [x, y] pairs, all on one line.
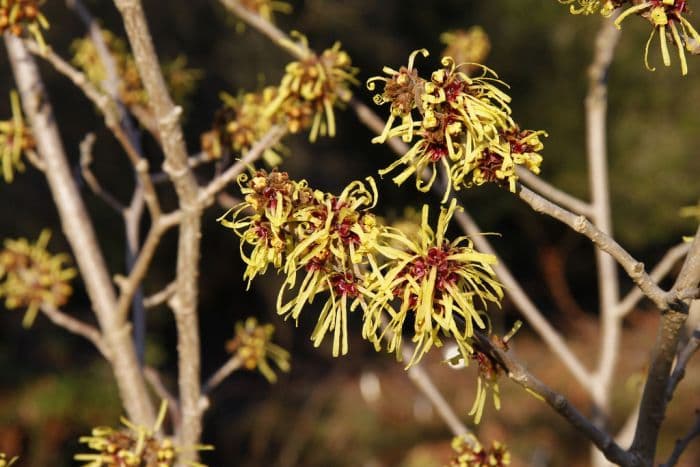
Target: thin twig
{"points": [[160, 297], [86, 146], [231, 365], [78, 327], [553, 193], [682, 444], [682, 360]]}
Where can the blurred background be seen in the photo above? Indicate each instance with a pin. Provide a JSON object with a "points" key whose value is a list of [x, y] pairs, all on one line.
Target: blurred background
{"points": [[362, 410]]}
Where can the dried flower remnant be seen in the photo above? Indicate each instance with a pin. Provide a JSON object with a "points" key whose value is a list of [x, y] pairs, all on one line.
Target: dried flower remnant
{"points": [[468, 46], [312, 87], [134, 445], [253, 345], [303, 232], [460, 116], [181, 80], [470, 453], [18, 16], [15, 139], [441, 287], [30, 276], [240, 123]]}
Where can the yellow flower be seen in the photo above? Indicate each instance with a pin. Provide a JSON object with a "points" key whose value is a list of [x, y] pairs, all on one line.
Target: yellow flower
{"points": [[134, 446], [666, 16], [497, 161], [444, 286], [459, 115], [253, 344], [15, 138], [18, 15], [31, 277], [315, 84], [470, 453]]}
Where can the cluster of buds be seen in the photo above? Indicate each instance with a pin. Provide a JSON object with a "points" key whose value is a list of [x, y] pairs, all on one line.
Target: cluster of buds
{"points": [[470, 453], [133, 446], [240, 123], [464, 126], [666, 18], [15, 139], [266, 8], [18, 16], [253, 345], [31, 277], [468, 46], [181, 80]]}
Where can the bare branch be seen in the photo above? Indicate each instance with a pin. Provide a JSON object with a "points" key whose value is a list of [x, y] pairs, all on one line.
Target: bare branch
{"points": [[231, 365], [553, 193], [682, 444], [184, 302], [634, 268], [654, 399], [160, 297], [518, 373], [78, 327], [660, 271], [80, 233]]}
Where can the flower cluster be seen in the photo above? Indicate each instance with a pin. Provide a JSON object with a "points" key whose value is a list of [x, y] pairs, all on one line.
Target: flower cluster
{"points": [[16, 16], [30, 276], [309, 233], [421, 283], [470, 453], [15, 139], [252, 344], [180, 79], [134, 446], [240, 123], [312, 86], [464, 125], [666, 18], [469, 46]]}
